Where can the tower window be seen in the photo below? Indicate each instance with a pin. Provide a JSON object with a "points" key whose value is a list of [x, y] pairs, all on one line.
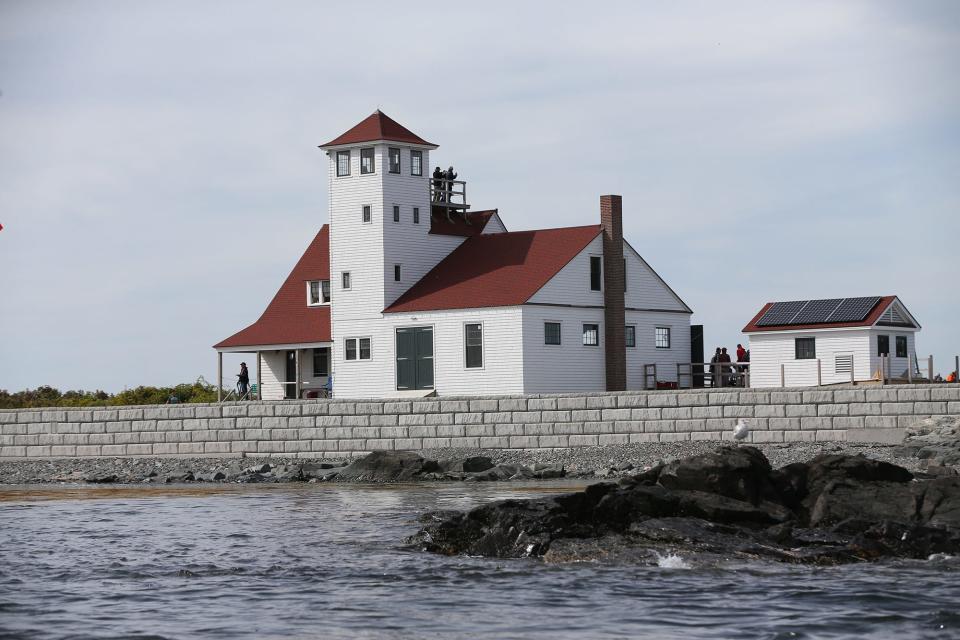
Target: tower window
{"points": [[551, 333], [416, 163], [345, 280], [416, 215], [591, 335], [595, 273], [396, 273], [662, 337], [630, 336], [396, 213], [366, 160], [366, 213], [394, 160], [343, 163]]}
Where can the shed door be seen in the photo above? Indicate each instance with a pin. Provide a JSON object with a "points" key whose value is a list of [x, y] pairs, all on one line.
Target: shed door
{"points": [[415, 358]]}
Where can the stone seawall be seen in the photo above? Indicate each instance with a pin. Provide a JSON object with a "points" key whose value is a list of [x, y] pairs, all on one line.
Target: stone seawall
{"points": [[346, 428]]}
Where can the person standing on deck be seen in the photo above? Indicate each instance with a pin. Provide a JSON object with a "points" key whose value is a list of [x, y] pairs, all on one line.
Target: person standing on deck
{"points": [[438, 185], [243, 379]]}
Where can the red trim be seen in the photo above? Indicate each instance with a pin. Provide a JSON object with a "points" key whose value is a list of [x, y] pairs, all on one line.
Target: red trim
{"points": [[870, 320]]}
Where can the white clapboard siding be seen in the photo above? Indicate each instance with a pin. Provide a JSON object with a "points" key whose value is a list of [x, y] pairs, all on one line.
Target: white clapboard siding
{"points": [[646, 351], [502, 372], [273, 366], [645, 289], [769, 350], [571, 285], [494, 225], [569, 366], [897, 367]]}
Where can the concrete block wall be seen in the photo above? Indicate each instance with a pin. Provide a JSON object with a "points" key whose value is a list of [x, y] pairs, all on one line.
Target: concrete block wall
{"points": [[345, 428]]}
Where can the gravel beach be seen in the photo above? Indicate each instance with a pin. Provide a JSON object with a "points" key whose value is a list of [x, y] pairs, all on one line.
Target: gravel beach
{"points": [[586, 462]]}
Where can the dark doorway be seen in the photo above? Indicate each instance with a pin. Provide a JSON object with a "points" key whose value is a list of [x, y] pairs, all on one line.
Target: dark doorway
{"points": [[415, 358], [290, 389], [696, 354]]}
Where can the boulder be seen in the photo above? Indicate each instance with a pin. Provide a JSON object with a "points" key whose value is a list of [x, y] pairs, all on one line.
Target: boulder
{"points": [[384, 466]]}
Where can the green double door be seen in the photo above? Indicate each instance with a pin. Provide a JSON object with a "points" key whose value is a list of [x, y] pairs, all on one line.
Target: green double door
{"points": [[415, 358]]}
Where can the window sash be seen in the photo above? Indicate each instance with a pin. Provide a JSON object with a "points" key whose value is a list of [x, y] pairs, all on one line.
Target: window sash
{"points": [[314, 293], [591, 335], [366, 215], [630, 336], [396, 273], [325, 291], [367, 164], [662, 337], [883, 345], [416, 215], [396, 213], [551, 333], [416, 163], [364, 348], [350, 349], [805, 348], [345, 280], [343, 163], [394, 160], [321, 362], [473, 345], [901, 342], [596, 273]]}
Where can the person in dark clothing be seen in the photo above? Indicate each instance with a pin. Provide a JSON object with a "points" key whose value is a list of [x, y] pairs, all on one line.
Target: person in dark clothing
{"points": [[243, 379], [725, 358], [715, 369], [450, 175], [438, 185]]}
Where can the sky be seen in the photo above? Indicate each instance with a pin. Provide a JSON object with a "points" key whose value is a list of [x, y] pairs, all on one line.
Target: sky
{"points": [[159, 170]]}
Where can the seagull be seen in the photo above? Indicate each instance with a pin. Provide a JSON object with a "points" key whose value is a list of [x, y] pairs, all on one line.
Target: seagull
{"points": [[741, 430]]}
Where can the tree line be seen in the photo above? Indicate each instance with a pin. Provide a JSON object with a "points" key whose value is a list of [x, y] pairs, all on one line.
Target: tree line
{"points": [[46, 396]]}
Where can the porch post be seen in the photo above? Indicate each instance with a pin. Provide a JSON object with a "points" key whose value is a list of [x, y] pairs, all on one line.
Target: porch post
{"points": [[219, 376], [259, 379], [297, 392]]}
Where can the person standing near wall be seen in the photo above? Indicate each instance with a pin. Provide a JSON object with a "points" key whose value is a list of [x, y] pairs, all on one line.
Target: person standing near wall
{"points": [[243, 379]]}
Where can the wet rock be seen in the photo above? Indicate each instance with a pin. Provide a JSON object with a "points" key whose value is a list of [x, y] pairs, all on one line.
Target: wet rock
{"points": [[384, 466], [101, 478], [179, 475], [473, 464], [728, 502], [211, 476]]}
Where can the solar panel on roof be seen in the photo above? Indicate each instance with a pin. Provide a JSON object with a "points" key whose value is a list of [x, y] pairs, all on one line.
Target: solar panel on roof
{"points": [[781, 313], [816, 311], [854, 309]]}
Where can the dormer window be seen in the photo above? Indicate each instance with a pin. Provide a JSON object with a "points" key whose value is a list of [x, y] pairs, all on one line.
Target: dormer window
{"points": [[343, 163], [394, 160], [318, 292], [416, 163], [366, 160]]}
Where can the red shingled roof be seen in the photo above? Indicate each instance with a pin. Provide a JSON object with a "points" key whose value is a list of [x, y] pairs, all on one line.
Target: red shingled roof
{"points": [[288, 319], [871, 318], [495, 270], [378, 126], [467, 224]]}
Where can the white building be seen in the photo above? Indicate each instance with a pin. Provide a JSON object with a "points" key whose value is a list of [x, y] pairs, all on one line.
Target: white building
{"points": [[422, 296], [810, 342]]}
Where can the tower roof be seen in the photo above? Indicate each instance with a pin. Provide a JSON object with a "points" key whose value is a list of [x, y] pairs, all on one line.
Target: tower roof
{"points": [[377, 126]]}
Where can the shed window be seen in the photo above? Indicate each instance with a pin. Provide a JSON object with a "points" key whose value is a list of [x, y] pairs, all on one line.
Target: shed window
{"points": [[396, 213], [883, 345], [394, 160], [630, 336], [473, 345], [805, 348], [551, 333], [595, 273], [321, 362], [591, 335], [901, 346], [416, 163], [366, 160], [365, 214], [343, 163], [416, 215], [662, 337]]}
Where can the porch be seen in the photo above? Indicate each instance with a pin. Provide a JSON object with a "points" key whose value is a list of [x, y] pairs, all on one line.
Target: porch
{"points": [[282, 372]]}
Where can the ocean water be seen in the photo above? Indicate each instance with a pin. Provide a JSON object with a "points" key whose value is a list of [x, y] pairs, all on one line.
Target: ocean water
{"points": [[328, 561]]}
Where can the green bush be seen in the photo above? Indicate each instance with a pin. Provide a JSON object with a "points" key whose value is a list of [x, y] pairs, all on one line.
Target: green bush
{"points": [[199, 391]]}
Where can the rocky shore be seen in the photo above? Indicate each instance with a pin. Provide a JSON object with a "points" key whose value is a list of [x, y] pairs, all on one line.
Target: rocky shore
{"points": [[728, 503], [435, 465]]}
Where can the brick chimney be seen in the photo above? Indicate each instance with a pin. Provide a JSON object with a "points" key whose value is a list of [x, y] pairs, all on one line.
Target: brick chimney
{"points": [[614, 315]]}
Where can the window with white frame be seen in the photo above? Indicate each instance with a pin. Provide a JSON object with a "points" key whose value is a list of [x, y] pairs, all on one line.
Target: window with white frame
{"points": [[345, 280], [366, 160], [356, 349], [591, 335], [313, 293], [416, 162], [364, 348], [662, 337], [325, 292], [630, 336], [551, 333], [365, 214], [321, 362], [343, 163], [473, 345], [396, 213], [805, 348], [394, 160]]}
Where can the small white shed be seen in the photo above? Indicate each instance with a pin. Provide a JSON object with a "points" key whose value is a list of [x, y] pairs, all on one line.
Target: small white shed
{"points": [[832, 341]]}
